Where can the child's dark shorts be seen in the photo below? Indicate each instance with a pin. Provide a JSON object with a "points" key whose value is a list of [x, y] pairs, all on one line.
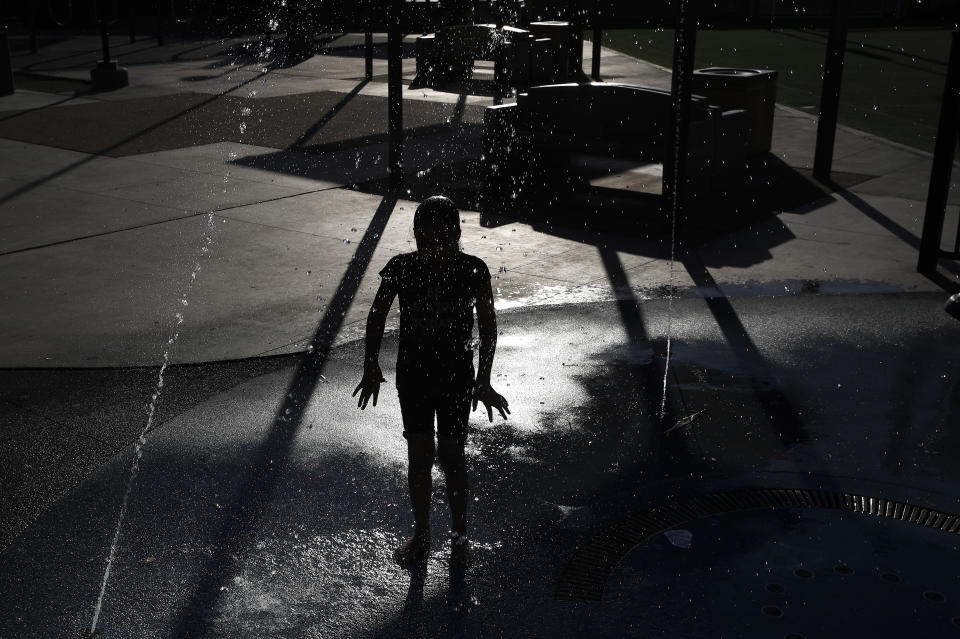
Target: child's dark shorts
{"points": [[450, 403]]}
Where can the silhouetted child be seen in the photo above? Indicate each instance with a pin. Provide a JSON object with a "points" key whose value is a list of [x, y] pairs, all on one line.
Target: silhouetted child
{"points": [[438, 287]]}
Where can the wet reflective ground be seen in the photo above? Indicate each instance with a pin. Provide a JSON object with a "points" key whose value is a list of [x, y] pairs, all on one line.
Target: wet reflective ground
{"points": [[234, 531]]}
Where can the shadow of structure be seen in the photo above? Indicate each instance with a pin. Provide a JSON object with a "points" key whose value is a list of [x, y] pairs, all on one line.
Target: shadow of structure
{"points": [[113, 146], [618, 196], [379, 50], [441, 139], [253, 497], [768, 393]]}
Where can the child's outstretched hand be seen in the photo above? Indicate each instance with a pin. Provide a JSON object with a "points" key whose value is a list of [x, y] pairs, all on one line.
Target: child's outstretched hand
{"points": [[369, 385], [483, 392]]}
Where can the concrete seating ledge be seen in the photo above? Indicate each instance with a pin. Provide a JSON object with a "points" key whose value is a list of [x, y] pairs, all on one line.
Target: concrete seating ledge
{"points": [[621, 121]]}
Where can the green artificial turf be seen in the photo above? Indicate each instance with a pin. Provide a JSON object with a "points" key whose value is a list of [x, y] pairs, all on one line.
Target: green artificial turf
{"points": [[892, 79]]}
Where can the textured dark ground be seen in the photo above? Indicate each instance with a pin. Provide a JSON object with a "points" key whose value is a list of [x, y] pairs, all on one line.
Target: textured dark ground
{"points": [[248, 519]]}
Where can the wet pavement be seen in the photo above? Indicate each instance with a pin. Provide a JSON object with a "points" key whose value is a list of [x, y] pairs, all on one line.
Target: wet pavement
{"points": [[805, 353], [245, 519]]}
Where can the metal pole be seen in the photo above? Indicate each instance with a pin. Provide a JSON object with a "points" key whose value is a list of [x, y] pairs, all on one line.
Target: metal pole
{"points": [[597, 39], [575, 38], [32, 25], [7, 85], [159, 23], [104, 38], [595, 62], [368, 54], [368, 40], [395, 91], [943, 153], [675, 166], [830, 93], [132, 21]]}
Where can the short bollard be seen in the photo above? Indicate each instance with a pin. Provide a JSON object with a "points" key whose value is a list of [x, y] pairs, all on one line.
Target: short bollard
{"points": [[108, 74], [6, 70]]}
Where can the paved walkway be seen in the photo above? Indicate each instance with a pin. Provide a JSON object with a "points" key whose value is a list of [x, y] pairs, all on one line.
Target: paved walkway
{"points": [[804, 336]]}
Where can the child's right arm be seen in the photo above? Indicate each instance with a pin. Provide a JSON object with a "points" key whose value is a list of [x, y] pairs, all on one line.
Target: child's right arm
{"points": [[376, 321]]}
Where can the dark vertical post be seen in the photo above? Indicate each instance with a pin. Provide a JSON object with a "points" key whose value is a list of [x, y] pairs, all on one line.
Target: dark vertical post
{"points": [[7, 85], [595, 62], [674, 167], [32, 24], [830, 93], [368, 55], [597, 38], [943, 153], [575, 38], [395, 90], [104, 36], [368, 39], [131, 19], [159, 23]]}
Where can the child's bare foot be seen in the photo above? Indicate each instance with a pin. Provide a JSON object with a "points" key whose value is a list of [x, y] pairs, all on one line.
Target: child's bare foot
{"points": [[413, 549], [459, 549]]}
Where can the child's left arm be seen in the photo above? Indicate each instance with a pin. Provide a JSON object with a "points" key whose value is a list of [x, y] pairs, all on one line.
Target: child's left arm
{"points": [[487, 327]]}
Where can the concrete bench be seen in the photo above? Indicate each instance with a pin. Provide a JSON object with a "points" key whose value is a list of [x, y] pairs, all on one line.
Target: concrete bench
{"points": [[620, 121], [519, 58]]}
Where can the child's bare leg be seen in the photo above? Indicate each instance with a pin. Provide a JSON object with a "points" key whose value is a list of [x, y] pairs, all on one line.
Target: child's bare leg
{"points": [[420, 455], [454, 465]]}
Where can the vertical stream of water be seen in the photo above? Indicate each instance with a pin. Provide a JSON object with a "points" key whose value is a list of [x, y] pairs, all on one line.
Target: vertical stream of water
{"points": [[151, 412], [675, 203]]}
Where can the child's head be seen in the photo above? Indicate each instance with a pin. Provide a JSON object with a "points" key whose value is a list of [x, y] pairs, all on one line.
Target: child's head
{"points": [[436, 225]]}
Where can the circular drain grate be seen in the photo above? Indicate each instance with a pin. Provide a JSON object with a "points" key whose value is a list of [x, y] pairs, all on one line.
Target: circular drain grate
{"points": [[586, 575]]}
